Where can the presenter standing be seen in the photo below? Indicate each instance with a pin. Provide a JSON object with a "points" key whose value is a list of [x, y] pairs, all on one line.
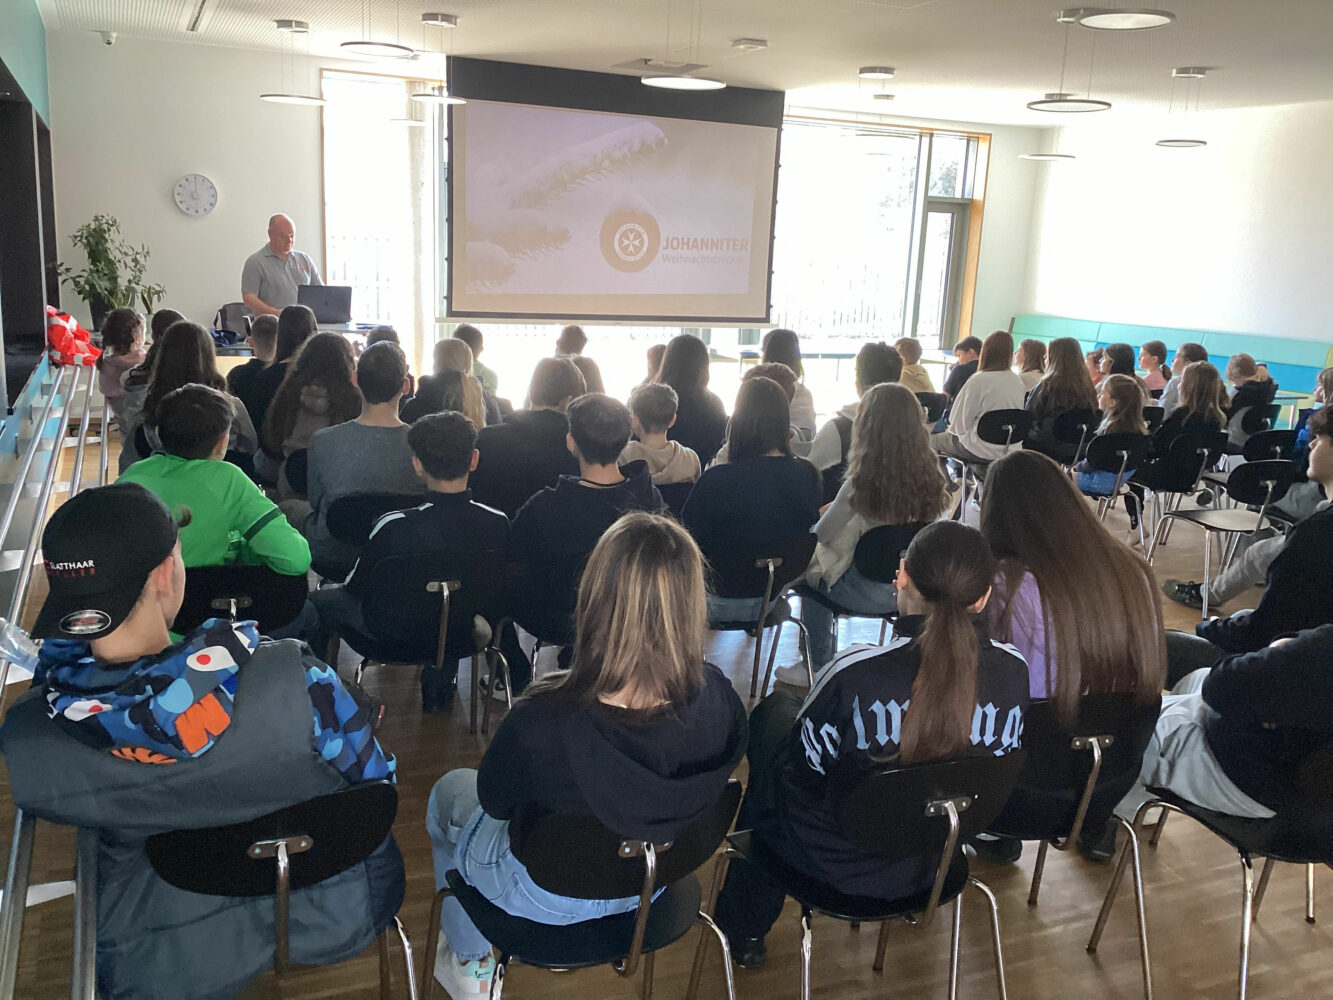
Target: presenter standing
{"points": [[272, 273]]}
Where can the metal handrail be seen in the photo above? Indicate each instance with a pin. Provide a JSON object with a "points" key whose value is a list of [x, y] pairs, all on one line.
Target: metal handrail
{"points": [[76, 480], [102, 446], [34, 445]]}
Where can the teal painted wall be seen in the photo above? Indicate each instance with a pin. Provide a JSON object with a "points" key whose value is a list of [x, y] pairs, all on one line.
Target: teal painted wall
{"points": [[23, 51]]}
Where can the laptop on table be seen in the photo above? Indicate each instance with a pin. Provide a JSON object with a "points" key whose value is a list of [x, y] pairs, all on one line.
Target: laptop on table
{"points": [[329, 303]]}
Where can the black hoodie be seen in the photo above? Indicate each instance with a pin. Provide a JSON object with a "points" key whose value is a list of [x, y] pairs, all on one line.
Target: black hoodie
{"points": [[645, 776]]}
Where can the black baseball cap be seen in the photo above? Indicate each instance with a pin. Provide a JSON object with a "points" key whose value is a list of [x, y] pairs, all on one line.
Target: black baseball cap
{"points": [[99, 549]]}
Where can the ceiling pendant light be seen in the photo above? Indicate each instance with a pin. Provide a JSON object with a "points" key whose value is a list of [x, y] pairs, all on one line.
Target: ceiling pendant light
{"points": [[1048, 157], [368, 47], [684, 81], [876, 72], [1123, 18], [288, 95], [438, 93], [1189, 74], [1061, 101]]}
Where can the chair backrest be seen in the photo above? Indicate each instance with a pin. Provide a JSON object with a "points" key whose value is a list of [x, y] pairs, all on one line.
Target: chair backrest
{"points": [[1178, 471], [576, 856], [1153, 417], [1268, 445], [297, 471], [1006, 427], [879, 549], [271, 599], [340, 831], [1261, 483], [674, 496], [934, 403], [350, 518], [403, 606], [1155, 393], [1260, 418], [1075, 426], [746, 573], [1118, 452]]}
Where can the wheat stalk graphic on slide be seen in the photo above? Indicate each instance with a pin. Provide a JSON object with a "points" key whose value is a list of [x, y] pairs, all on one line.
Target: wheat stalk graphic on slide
{"points": [[517, 224]]}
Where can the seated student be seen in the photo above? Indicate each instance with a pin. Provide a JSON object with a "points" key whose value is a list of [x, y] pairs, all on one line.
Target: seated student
{"points": [[1044, 535], [652, 408], [527, 452], [184, 354], [319, 391], [570, 344], [453, 378], [1121, 403], [248, 726], [470, 335], [1118, 359], [387, 334], [1281, 604], [135, 381], [653, 356], [1305, 497], [786, 380], [993, 387], [876, 362], [938, 671], [1065, 386], [1030, 360], [263, 341], [231, 521], [296, 325], [763, 494], [783, 347], [1152, 359], [367, 455], [1093, 360], [967, 359], [559, 525], [448, 523], [1186, 354], [893, 477], [914, 377], [642, 734], [122, 349], [701, 419], [1253, 387]]}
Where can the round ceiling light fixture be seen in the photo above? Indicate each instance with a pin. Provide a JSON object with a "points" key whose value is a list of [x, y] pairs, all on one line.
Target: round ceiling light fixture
{"points": [[295, 27], [305, 99], [1065, 103], [680, 81], [378, 50], [876, 72], [1189, 72], [440, 20], [1047, 157], [1182, 143], [1124, 18], [882, 97], [437, 94]]}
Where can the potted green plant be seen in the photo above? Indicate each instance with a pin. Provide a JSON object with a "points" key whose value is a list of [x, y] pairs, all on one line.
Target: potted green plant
{"points": [[113, 277]]}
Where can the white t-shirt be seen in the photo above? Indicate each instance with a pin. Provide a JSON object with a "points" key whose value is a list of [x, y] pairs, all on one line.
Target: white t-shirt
{"points": [[983, 392]]}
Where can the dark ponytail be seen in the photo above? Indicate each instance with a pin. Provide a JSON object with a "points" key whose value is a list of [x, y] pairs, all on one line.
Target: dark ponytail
{"points": [[951, 567]]}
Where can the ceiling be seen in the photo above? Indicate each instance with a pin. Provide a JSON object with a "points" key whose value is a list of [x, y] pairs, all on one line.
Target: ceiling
{"points": [[964, 60]]}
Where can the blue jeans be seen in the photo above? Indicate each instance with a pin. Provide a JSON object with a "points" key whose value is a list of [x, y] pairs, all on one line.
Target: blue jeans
{"points": [[463, 837], [853, 592]]}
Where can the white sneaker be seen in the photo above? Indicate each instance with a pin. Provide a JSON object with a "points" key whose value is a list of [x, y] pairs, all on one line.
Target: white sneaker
{"points": [[793, 675], [462, 982]]}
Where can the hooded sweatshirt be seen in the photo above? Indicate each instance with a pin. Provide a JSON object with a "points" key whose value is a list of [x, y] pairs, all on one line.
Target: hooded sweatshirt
{"points": [[673, 464], [646, 776]]}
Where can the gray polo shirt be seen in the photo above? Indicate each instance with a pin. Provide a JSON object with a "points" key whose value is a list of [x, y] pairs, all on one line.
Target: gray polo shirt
{"points": [[274, 280]]}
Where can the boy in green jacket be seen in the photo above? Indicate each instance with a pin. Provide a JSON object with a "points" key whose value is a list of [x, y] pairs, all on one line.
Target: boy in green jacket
{"points": [[231, 521]]}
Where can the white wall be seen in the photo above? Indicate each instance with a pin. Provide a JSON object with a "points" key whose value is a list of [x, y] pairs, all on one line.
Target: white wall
{"points": [[1234, 236], [1006, 229], [136, 116]]}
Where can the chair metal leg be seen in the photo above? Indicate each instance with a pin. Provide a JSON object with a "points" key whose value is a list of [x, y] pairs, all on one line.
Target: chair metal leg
{"points": [[955, 938], [803, 642], [883, 629], [709, 925], [1262, 887], [386, 976], [758, 652], [83, 980], [1037, 871], [1158, 537], [807, 944], [499, 667], [498, 978], [646, 990], [772, 655], [1246, 923], [1309, 894], [476, 683], [1129, 851], [882, 945], [706, 917], [432, 939], [1158, 828], [16, 896], [408, 965], [1207, 555], [996, 943]]}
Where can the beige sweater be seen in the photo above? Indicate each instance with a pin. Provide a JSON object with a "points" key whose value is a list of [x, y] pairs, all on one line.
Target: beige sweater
{"points": [[673, 464]]}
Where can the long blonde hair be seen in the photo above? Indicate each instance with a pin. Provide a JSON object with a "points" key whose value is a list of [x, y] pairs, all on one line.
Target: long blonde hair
{"points": [[640, 620], [453, 355], [895, 476]]}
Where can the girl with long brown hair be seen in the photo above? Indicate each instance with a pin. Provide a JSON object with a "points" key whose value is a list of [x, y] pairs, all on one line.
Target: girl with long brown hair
{"points": [[893, 477], [911, 701], [1030, 359], [1065, 386], [640, 732], [1121, 400]]}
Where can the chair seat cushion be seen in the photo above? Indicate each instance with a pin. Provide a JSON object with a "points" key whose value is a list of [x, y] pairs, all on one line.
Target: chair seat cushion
{"points": [[811, 892], [779, 612], [591, 942], [1302, 838]]}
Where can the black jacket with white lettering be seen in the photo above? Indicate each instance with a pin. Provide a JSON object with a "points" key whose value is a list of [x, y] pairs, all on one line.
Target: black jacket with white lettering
{"points": [[856, 708]]}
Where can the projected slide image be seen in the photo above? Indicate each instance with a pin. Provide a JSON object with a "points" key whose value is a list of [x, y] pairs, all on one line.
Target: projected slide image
{"points": [[575, 212]]}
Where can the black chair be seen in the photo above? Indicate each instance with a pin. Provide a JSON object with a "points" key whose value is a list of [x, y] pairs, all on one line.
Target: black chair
{"points": [[934, 403], [1259, 447], [1155, 393], [545, 635], [1257, 419], [1153, 417], [423, 603], [674, 496], [1300, 834], [576, 856], [1255, 484], [272, 599], [1074, 428], [999, 427], [876, 558], [1177, 473], [1075, 771], [763, 574], [907, 812], [1120, 454], [286, 851], [297, 470]]}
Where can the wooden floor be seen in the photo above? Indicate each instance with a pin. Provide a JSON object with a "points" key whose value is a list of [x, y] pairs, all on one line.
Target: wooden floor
{"points": [[1193, 892]]}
